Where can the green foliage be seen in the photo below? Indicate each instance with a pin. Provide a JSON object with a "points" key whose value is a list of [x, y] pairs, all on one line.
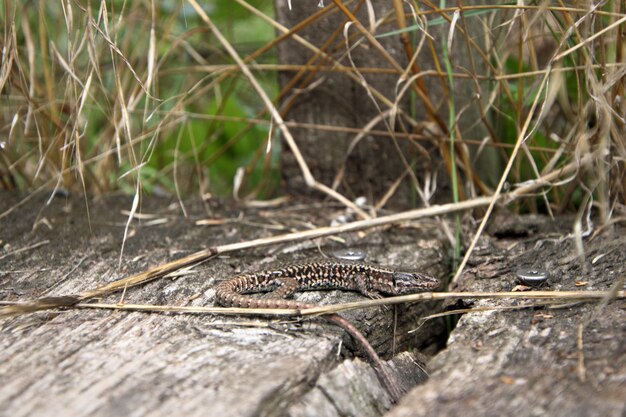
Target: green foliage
{"points": [[176, 138]]}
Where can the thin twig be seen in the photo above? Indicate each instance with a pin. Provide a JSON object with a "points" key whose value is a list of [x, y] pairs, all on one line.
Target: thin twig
{"points": [[341, 307], [25, 249], [427, 296]]}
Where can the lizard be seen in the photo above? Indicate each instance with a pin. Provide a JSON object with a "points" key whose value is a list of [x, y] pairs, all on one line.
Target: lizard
{"points": [[284, 282]]}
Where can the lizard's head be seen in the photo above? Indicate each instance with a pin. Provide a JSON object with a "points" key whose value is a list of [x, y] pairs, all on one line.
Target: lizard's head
{"points": [[412, 282]]}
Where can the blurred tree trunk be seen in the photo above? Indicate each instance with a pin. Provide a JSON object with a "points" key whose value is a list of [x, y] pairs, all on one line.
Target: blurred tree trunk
{"points": [[334, 99]]}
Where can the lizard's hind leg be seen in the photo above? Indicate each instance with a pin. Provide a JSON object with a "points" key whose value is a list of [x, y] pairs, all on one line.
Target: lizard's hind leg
{"points": [[286, 289]]}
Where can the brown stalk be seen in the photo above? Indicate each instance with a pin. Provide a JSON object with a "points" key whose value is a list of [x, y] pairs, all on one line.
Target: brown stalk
{"points": [[580, 296]]}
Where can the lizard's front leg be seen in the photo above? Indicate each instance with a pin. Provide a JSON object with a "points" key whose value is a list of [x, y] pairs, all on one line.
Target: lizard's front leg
{"points": [[363, 287]]}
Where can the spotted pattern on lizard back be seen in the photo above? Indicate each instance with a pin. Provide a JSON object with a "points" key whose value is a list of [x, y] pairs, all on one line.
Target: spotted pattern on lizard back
{"points": [[369, 280]]}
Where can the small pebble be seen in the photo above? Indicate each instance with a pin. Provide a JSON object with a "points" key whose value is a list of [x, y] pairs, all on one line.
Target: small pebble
{"points": [[532, 276], [349, 254]]}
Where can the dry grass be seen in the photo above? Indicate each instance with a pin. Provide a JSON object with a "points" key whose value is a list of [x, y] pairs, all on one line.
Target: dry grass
{"points": [[144, 97]]}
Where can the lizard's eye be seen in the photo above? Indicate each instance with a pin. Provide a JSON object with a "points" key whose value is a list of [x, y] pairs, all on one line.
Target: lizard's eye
{"points": [[403, 281]]}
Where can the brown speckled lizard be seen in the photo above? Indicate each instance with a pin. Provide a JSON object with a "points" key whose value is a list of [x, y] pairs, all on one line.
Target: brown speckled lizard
{"points": [[369, 280]]}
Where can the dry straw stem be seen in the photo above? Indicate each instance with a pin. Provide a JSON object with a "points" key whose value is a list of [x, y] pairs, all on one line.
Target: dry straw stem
{"points": [[526, 295], [208, 253], [347, 129], [578, 296], [229, 68]]}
